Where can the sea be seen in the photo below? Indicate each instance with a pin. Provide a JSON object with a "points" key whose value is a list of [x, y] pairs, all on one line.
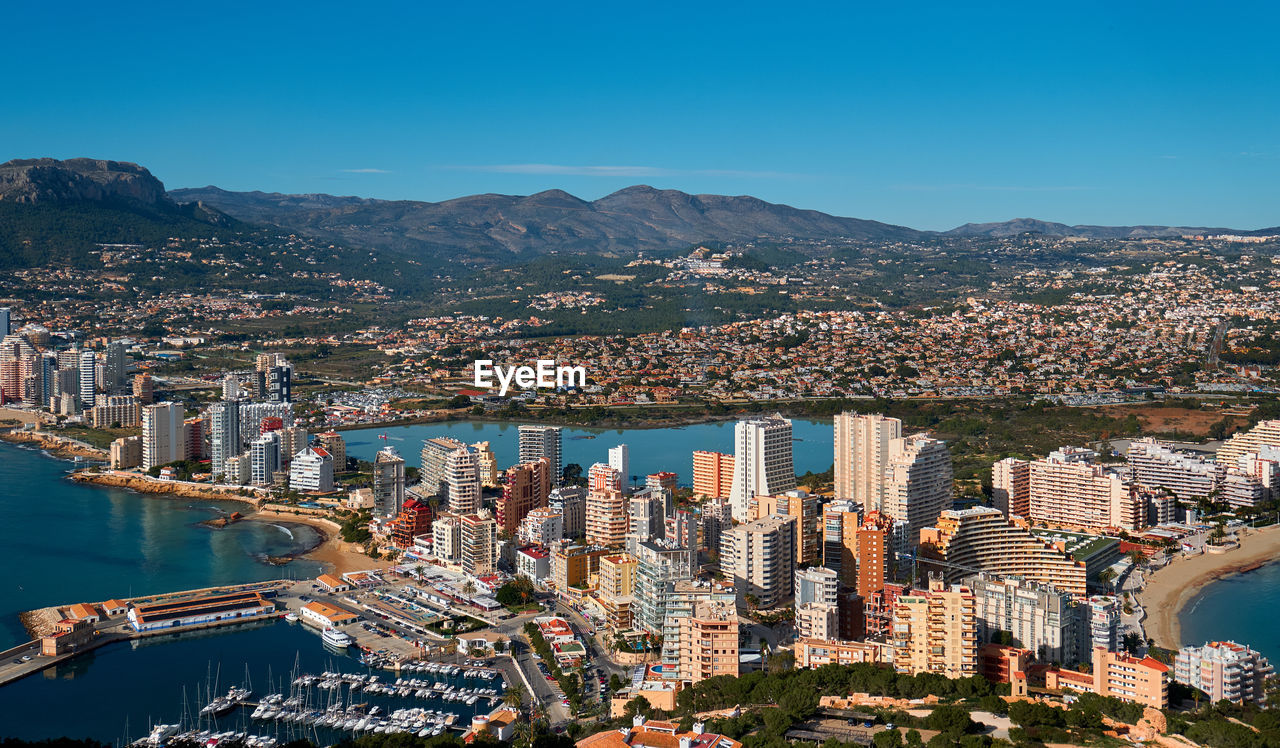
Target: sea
{"points": [[1240, 608]]}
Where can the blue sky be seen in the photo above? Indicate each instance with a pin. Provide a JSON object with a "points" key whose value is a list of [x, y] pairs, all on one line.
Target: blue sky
{"points": [[923, 114]]}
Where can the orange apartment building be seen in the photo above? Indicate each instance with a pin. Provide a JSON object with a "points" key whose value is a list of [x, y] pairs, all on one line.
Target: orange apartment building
{"points": [[712, 474]]}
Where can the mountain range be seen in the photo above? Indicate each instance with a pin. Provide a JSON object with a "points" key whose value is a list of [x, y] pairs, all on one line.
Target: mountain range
{"points": [[482, 228]]}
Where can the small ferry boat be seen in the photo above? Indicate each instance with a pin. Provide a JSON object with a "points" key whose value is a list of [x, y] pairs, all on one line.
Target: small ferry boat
{"points": [[291, 617], [336, 638]]}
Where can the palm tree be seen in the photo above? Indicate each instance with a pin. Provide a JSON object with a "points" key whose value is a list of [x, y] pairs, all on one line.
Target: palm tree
{"points": [[469, 588], [514, 696], [419, 569], [523, 732], [1106, 576]]}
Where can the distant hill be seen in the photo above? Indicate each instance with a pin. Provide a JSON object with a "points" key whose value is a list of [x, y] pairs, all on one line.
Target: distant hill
{"points": [[1019, 226], [56, 211], [495, 227]]}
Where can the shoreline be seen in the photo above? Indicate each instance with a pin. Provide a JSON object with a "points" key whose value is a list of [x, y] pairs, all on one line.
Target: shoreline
{"points": [[341, 557], [62, 448], [141, 484], [1168, 590]]}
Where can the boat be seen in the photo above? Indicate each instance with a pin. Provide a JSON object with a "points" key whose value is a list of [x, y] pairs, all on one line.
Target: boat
{"points": [[291, 617], [337, 638]]}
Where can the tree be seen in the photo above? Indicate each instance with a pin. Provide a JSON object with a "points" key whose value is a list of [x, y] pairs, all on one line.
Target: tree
{"points": [[469, 588], [949, 719], [514, 696]]}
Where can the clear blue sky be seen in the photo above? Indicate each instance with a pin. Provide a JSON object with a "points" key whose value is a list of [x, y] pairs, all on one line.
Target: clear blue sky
{"points": [[922, 114]]}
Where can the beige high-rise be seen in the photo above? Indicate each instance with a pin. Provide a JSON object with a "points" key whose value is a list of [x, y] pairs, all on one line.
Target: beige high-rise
{"points": [[936, 632], [861, 455], [1077, 494], [917, 482], [982, 539], [760, 556]]}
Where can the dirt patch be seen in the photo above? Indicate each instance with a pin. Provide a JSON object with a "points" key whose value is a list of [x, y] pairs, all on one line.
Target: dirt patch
{"points": [[1186, 421]]}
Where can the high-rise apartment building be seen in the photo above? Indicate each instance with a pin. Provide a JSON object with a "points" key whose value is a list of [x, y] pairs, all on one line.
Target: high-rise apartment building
{"points": [[616, 590], [1011, 486], [88, 379], [917, 482], [712, 475], [462, 482], [6, 321], [542, 441], [816, 585], [840, 521], [116, 411], [760, 556], [981, 539], [293, 439], [114, 367], [647, 515], [224, 435], [162, 435], [311, 470], [479, 543], [446, 538], [334, 444], [862, 456], [700, 631], [524, 488], [620, 460], [1224, 670], [487, 464], [659, 567], [873, 546], [818, 621], [717, 519], [936, 631], [1266, 433], [144, 388], [571, 503], [762, 463], [1069, 491], [1187, 476], [388, 482], [435, 452], [264, 458], [1037, 617], [606, 507]]}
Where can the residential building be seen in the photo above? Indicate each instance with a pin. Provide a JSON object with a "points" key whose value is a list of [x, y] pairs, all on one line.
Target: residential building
{"points": [[1266, 433], [762, 461], [659, 566], [162, 435], [126, 452], [311, 470], [1103, 613], [574, 565], [486, 464], [760, 557], [936, 631], [813, 653], [712, 475], [479, 543], [873, 550], [840, 521], [524, 488], [542, 526], [1113, 674], [661, 481], [388, 482], [144, 388], [1039, 618], [816, 584], [334, 444], [462, 482], [224, 435], [435, 453], [1224, 670], [1011, 486], [684, 639], [1187, 476], [862, 456], [446, 538], [264, 458], [413, 521], [1068, 490], [647, 515], [818, 621], [606, 507], [542, 441], [118, 411], [620, 460], [571, 503], [981, 539], [803, 506], [717, 519], [293, 439], [616, 590], [88, 379], [917, 482]]}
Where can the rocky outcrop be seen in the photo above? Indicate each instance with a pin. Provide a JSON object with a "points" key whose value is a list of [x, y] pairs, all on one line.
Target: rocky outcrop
{"points": [[143, 484], [47, 180], [59, 446]]}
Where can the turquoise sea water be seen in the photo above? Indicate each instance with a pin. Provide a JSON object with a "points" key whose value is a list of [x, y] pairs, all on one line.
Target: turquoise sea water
{"points": [[1242, 608], [651, 450], [67, 542]]}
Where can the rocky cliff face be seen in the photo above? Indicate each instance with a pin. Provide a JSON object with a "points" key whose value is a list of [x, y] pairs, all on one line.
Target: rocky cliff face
{"points": [[46, 180]]}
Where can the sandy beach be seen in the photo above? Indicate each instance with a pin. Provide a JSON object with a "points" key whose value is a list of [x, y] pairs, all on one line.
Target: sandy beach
{"points": [[1169, 589], [341, 556]]}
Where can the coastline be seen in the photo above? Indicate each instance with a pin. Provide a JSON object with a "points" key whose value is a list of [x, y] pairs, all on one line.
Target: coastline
{"points": [[1169, 589], [61, 447], [141, 484], [332, 551]]}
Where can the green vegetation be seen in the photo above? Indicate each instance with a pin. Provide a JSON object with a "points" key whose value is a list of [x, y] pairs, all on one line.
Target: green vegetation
{"points": [[355, 529], [516, 594], [568, 682]]}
